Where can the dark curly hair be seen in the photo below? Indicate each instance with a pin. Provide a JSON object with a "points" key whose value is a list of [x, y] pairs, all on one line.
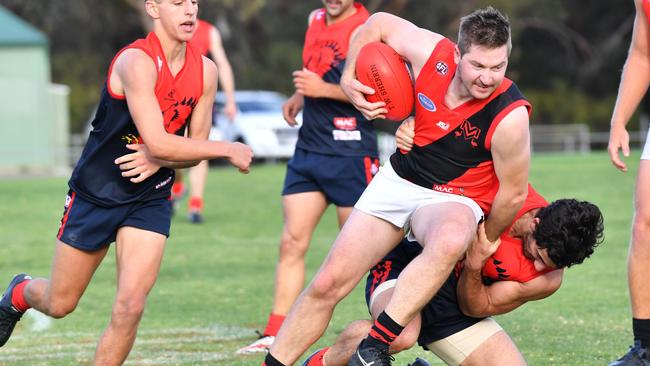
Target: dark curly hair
{"points": [[569, 230], [484, 27]]}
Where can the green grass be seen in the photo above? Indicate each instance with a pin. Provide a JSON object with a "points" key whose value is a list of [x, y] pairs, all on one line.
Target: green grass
{"points": [[215, 286]]}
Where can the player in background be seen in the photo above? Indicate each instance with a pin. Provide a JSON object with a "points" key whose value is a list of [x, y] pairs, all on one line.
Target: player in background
{"points": [[207, 41], [335, 156], [471, 132], [119, 191], [492, 279], [634, 84]]}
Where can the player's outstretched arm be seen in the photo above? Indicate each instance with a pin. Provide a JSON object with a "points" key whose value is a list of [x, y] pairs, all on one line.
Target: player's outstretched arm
{"points": [[134, 76], [510, 148], [634, 84]]}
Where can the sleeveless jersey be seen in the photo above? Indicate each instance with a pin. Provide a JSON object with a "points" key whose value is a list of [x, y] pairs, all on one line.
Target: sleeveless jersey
{"points": [[201, 38], [508, 263], [96, 178], [329, 126], [451, 151]]}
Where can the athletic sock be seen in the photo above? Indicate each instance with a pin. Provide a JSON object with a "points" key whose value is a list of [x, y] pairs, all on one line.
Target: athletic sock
{"points": [[383, 332], [318, 358], [177, 189], [196, 204], [18, 298], [641, 329], [271, 361], [273, 324]]}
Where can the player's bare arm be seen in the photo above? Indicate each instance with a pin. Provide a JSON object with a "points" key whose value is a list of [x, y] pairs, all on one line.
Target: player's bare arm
{"points": [[634, 84], [134, 76], [226, 76], [413, 43], [510, 148], [405, 134], [479, 300]]}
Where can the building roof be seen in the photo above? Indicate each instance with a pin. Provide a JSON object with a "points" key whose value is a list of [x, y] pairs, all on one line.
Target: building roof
{"points": [[16, 31]]}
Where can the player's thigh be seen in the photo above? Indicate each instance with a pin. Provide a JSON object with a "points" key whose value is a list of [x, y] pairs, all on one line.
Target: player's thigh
{"points": [[362, 242], [499, 349], [140, 244], [138, 255], [72, 270], [642, 191], [443, 222], [302, 212]]}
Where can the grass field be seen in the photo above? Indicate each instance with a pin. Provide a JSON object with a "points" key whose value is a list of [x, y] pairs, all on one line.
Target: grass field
{"points": [[215, 286]]}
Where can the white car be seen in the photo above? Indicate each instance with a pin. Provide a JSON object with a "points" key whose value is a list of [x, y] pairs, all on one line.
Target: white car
{"points": [[259, 123]]}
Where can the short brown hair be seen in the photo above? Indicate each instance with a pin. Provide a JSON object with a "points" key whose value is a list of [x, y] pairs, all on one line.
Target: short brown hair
{"points": [[484, 27]]}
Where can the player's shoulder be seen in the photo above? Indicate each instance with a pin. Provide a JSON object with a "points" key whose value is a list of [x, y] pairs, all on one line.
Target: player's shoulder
{"points": [[133, 60], [315, 14]]}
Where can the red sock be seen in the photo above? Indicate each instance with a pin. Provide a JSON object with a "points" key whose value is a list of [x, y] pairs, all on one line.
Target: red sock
{"points": [[273, 324], [196, 204], [317, 358], [177, 189], [17, 298]]}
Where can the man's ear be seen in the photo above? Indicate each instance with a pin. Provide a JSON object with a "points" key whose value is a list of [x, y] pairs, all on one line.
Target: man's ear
{"points": [[151, 6], [457, 54]]}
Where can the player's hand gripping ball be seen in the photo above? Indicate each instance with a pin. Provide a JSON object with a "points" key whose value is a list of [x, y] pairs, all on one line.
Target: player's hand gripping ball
{"points": [[381, 68]]}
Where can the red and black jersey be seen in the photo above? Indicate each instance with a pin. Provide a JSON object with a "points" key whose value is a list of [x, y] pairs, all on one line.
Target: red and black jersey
{"points": [[330, 126], [201, 38], [509, 263], [96, 178], [451, 151]]}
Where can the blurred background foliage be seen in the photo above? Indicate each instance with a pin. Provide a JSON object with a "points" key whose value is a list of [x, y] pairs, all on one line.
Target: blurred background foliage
{"points": [[567, 54]]}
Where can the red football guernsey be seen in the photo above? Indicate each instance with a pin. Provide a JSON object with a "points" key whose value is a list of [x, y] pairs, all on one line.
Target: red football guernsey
{"points": [[508, 263], [451, 151], [201, 38]]}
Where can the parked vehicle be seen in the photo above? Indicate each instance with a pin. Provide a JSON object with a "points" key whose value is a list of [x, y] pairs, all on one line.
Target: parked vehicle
{"points": [[259, 123]]}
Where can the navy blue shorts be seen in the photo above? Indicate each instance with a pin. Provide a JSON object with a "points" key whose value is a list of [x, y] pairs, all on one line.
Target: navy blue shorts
{"points": [[88, 226], [441, 317], [341, 178]]}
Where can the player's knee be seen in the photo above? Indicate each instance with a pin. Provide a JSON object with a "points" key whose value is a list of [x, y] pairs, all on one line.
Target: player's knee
{"points": [[327, 286], [447, 244], [641, 227], [129, 307], [60, 308], [292, 246]]}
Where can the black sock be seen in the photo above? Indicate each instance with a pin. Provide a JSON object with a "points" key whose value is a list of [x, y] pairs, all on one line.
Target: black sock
{"points": [[641, 329], [383, 332], [271, 361]]}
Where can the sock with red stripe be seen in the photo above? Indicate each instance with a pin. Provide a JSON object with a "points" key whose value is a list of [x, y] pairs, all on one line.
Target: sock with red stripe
{"points": [[196, 204], [271, 361], [383, 332], [18, 298], [273, 324], [317, 359]]}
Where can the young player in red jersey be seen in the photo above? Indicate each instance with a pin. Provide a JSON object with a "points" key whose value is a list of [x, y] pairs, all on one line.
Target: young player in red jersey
{"points": [[439, 191], [336, 152], [634, 84], [120, 188]]}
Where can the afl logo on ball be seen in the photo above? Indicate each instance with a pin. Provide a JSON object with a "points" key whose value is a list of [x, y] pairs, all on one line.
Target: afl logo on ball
{"points": [[426, 102], [442, 68]]}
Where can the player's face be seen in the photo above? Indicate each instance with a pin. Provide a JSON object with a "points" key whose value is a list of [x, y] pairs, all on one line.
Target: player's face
{"points": [[538, 255], [178, 17], [336, 8], [482, 70]]}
